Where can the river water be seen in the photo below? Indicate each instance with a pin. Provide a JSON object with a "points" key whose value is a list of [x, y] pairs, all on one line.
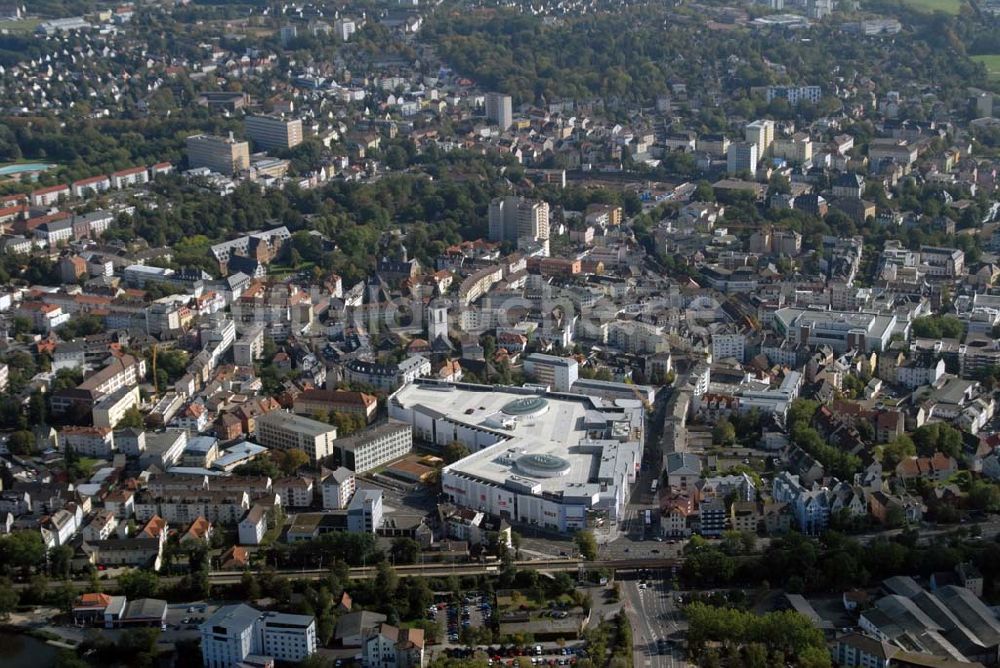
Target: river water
{"points": [[20, 651]]}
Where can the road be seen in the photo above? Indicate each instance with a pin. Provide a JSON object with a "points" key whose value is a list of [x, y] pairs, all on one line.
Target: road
{"points": [[654, 616]]}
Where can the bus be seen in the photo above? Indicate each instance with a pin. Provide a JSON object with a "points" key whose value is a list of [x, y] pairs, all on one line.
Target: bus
{"points": [[649, 519]]}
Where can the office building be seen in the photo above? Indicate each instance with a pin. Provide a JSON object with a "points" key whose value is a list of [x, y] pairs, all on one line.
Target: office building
{"points": [[270, 133], [223, 155], [559, 373], [285, 431], [499, 110], [374, 447], [841, 330], [742, 157]]}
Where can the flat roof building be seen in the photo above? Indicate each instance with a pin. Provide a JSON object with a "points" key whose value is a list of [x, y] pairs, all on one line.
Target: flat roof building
{"points": [[286, 431], [841, 330], [539, 458], [223, 155], [235, 632], [374, 447], [559, 373], [272, 132]]}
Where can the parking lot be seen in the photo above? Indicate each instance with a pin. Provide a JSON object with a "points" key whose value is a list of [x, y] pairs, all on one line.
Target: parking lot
{"points": [[183, 620], [544, 654], [474, 611]]}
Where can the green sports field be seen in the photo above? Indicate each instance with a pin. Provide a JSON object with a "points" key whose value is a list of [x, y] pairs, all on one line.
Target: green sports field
{"points": [[946, 6], [992, 63], [20, 27]]}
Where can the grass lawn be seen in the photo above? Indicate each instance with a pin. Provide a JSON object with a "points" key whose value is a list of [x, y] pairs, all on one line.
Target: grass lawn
{"points": [[19, 27], [992, 63], [946, 6], [89, 463], [276, 269]]}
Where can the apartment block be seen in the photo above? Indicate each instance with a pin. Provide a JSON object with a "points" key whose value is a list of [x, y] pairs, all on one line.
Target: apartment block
{"points": [[337, 488], [517, 218], [499, 110]]}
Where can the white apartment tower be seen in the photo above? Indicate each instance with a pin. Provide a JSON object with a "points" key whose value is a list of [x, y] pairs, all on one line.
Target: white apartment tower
{"points": [[517, 219], [499, 110], [760, 133], [742, 157]]}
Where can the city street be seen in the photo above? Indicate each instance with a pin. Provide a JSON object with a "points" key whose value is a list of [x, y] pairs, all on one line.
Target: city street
{"points": [[655, 620]]}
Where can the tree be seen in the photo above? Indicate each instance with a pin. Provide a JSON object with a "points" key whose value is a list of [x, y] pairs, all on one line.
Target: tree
{"points": [[418, 596], [738, 542], [8, 598], [455, 451], [515, 542], [250, 587], [65, 596], [814, 657], [138, 646], [60, 560], [724, 432], [138, 584], [67, 658], [755, 655], [895, 516], [984, 495], [405, 550], [703, 192], [786, 631], [346, 423], [22, 549], [386, 579], [901, 447], [131, 419], [21, 442], [292, 460], [938, 437], [586, 543]]}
